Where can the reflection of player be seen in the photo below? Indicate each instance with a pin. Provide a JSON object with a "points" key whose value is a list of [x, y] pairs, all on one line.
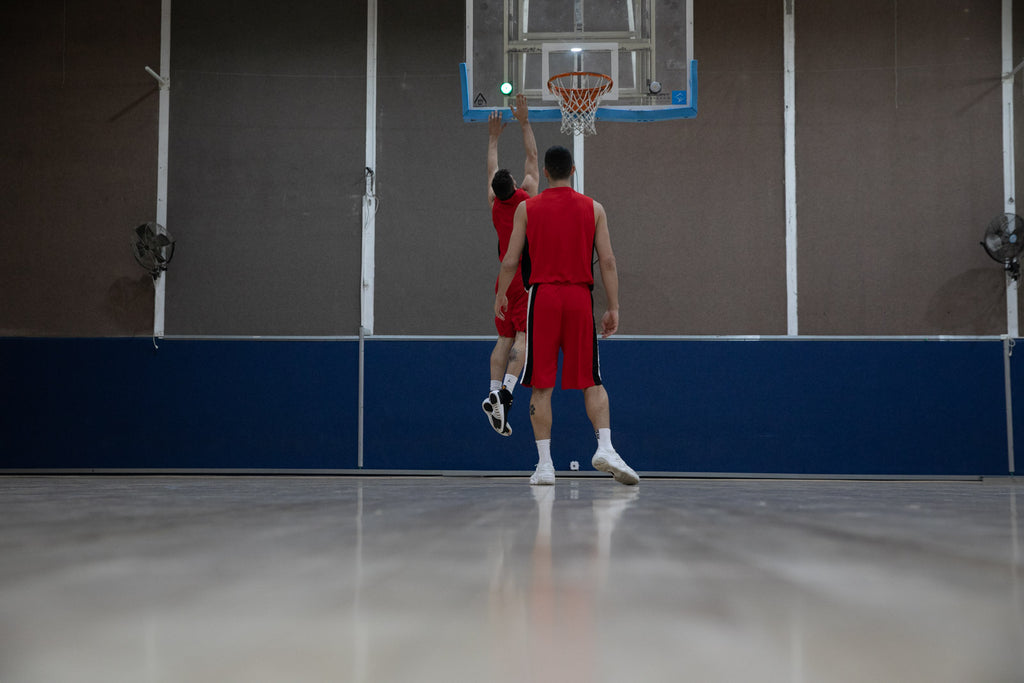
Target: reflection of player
{"points": [[550, 613], [562, 229], [504, 196]]}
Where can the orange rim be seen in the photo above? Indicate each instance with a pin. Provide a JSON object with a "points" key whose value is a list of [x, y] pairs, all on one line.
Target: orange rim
{"points": [[580, 99]]}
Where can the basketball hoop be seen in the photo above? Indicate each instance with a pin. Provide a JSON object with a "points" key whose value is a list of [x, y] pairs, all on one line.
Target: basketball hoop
{"points": [[578, 94]]}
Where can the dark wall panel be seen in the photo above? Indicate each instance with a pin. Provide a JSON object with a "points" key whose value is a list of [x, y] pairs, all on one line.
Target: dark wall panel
{"points": [[428, 274], [436, 248], [898, 144], [266, 167], [899, 166], [1018, 114], [77, 165], [697, 207], [675, 191]]}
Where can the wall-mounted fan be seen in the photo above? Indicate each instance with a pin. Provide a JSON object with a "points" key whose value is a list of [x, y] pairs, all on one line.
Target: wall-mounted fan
{"points": [[1004, 240], [153, 248]]}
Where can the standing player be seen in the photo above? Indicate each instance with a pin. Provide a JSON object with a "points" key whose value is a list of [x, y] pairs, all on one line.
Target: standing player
{"points": [[560, 229], [504, 196]]}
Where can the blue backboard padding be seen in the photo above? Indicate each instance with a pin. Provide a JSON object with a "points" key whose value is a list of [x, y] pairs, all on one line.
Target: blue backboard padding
{"points": [[803, 407], [622, 114], [470, 114]]}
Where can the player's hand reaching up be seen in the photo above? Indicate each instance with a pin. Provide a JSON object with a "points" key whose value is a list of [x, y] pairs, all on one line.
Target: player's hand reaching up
{"points": [[494, 124], [520, 109]]}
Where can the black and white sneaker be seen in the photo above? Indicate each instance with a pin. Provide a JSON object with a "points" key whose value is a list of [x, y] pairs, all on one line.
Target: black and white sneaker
{"points": [[488, 408], [496, 406]]}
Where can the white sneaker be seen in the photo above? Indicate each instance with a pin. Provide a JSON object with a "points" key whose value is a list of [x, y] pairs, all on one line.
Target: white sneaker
{"points": [[609, 461], [544, 476]]}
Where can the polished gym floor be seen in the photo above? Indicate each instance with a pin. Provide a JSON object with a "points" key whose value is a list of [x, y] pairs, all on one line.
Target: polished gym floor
{"points": [[277, 578]]}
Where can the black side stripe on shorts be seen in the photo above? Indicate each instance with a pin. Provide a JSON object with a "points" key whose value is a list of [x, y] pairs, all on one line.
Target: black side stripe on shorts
{"points": [[597, 359], [528, 363]]}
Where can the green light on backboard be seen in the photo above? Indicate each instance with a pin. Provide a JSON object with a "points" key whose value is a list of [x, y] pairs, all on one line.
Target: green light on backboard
{"points": [[505, 88]]}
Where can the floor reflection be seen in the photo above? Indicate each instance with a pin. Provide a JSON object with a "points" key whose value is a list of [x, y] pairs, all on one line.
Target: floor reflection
{"points": [[544, 615], [430, 579]]}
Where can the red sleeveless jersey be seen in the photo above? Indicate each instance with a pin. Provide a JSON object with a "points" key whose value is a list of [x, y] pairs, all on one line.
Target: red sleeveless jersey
{"points": [[559, 238], [502, 213]]}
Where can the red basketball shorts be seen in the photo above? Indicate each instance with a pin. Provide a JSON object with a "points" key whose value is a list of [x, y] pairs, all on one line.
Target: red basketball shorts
{"points": [[561, 317], [515, 314]]}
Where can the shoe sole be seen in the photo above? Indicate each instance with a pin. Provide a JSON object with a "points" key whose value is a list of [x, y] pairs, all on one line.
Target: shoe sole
{"points": [[538, 481], [621, 476], [495, 422]]}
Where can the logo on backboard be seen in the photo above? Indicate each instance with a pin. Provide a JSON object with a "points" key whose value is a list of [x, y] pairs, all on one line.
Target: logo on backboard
{"points": [[479, 100]]}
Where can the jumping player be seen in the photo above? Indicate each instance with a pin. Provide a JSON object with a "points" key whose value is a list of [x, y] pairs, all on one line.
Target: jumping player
{"points": [[560, 229], [504, 196]]}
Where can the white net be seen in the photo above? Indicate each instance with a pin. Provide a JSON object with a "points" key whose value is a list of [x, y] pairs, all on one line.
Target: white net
{"points": [[578, 95]]}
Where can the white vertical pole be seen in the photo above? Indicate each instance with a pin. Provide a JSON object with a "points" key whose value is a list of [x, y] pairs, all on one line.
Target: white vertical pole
{"points": [[789, 95], [369, 213], [1008, 155], [370, 197], [577, 159], [1009, 191], [159, 283]]}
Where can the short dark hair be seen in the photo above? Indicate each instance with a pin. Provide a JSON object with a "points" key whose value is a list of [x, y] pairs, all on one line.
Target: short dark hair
{"points": [[503, 184], [558, 162]]}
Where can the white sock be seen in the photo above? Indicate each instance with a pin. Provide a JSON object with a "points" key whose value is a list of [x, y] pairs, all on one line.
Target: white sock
{"points": [[495, 384], [510, 382], [543, 451], [604, 438]]}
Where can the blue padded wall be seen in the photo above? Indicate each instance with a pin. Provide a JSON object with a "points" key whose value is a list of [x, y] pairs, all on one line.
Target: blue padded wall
{"points": [[811, 407], [776, 406], [884, 408], [120, 403]]}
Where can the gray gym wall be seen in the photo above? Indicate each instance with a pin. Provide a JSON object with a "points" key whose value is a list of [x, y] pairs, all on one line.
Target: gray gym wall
{"points": [[77, 165], [899, 168]]}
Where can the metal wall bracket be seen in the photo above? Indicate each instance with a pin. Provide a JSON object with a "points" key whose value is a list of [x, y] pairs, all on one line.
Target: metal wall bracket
{"points": [[165, 83], [1010, 74]]}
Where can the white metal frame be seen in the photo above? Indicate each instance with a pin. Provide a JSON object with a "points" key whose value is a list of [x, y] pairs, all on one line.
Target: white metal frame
{"points": [[370, 197], [160, 283], [368, 258], [1009, 191], [613, 59], [789, 119], [1009, 170]]}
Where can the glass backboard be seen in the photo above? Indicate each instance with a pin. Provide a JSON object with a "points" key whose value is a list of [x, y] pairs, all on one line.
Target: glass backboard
{"points": [[646, 46]]}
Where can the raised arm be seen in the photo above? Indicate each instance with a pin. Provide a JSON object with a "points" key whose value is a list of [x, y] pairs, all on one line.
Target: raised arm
{"points": [[494, 127], [609, 273], [531, 172]]}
